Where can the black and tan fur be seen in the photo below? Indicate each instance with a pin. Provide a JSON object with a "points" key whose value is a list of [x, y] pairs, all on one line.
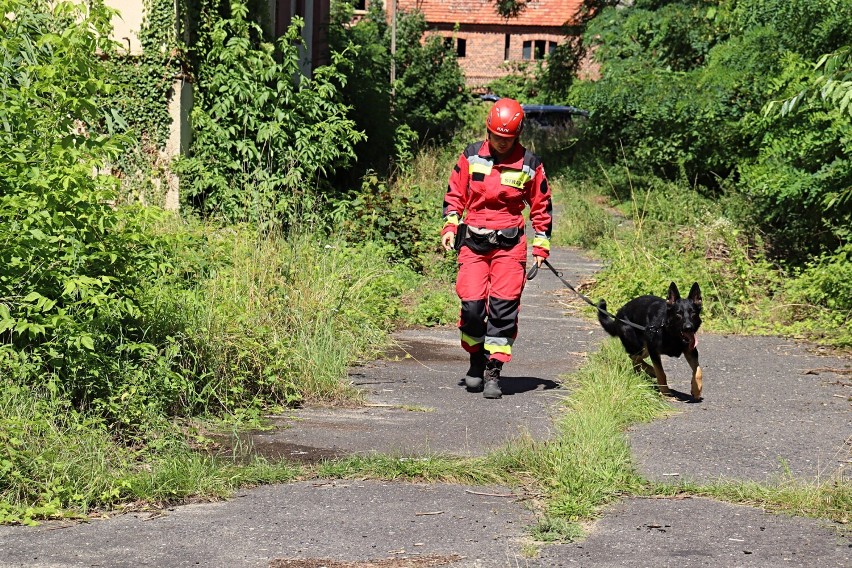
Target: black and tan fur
{"points": [[671, 325]]}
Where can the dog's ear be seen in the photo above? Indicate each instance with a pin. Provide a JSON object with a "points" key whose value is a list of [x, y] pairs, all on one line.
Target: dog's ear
{"points": [[695, 294], [674, 294]]}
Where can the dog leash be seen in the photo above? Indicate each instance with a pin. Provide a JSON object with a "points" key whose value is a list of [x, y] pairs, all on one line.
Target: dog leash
{"points": [[534, 270]]}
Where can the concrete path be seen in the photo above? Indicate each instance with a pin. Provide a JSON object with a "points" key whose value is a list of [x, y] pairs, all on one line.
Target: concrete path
{"points": [[771, 407]]}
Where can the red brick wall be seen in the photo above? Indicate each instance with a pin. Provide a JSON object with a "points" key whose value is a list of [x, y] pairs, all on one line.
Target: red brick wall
{"points": [[485, 60], [485, 31]]}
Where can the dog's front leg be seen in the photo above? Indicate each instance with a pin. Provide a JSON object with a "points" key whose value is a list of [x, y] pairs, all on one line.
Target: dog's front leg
{"points": [[697, 378]]}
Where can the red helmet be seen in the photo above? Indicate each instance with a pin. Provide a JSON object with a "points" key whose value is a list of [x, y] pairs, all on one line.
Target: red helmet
{"points": [[506, 118]]}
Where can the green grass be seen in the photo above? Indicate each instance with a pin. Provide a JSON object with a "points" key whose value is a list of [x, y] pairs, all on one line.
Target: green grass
{"points": [[252, 322], [830, 499], [582, 219], [56, 462], [589, 464], [433, 469]]}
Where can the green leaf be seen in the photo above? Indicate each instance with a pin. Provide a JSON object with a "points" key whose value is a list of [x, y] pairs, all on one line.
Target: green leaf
{"points": [[87, 342]]}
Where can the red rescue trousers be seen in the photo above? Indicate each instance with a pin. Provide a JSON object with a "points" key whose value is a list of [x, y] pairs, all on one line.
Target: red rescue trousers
{"points": [[489, 286]]}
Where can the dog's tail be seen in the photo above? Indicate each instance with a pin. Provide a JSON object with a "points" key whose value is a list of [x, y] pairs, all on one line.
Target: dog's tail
{"points": [[609, 324]]}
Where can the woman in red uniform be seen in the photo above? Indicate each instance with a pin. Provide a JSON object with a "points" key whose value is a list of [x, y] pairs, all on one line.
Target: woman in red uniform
{"points": [[491, 184]]}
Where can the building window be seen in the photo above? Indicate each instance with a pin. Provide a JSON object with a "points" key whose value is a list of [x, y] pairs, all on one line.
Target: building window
{"points": [[457, 44], [360, 5], [537, 49], [506, 48]]}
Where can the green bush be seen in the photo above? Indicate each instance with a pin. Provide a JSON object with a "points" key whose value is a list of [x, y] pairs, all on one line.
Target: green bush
{"points": [[429, 92], [818, 301], [400, 215], [265, 134], [73, 265], [682, 96]]}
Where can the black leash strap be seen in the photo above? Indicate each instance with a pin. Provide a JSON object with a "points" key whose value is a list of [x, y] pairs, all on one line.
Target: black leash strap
{"points": [[534, 270]]}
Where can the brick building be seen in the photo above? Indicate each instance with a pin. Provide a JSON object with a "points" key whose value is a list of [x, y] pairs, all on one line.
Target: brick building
{"points": [[487, 44]]}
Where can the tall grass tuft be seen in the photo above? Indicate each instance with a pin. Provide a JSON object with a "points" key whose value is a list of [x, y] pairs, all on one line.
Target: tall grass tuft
{"points": [[239, 323], [582, 218], [263, 320], [588, 464]]}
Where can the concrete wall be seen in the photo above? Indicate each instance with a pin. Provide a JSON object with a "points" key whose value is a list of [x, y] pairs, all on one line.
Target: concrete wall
{"points": [[126, 26]]}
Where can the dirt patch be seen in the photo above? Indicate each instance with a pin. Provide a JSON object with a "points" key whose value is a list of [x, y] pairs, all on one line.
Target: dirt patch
{"points": [[272, 449], [419, 562]]}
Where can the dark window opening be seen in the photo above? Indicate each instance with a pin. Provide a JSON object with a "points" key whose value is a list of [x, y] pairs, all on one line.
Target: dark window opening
{"points": [[506, 48], [538, 49], [459, 45], [360, 5]]}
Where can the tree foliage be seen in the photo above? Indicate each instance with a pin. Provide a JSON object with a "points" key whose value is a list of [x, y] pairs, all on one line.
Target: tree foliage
{"points": [[72, 265], [683, 90], [429, 93], [265, 133], [367, 90]]}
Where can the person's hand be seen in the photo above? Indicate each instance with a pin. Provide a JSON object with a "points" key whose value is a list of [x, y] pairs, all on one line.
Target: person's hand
{"points": [[448, 240], [538, 260]]}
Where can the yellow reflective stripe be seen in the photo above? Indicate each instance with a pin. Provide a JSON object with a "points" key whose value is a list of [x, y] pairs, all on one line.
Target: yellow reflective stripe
{"points": [[505, 349], [472, 341], [514, 178], [452, 219], [478, 168], [541, 242]]}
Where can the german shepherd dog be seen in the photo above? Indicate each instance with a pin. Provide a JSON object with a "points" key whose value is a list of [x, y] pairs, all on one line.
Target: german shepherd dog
{"points": [[670, 327]]}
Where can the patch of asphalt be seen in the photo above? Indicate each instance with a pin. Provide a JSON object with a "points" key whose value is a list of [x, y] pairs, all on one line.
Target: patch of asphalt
{"points": [[417, 405], [351, 523], [343, 520], [772, 409], [693, 533]]}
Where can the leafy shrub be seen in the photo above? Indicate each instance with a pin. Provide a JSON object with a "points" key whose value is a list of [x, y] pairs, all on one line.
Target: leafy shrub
{"points": [[429, 90], [73, 265], [819, 298], [264, 132], [402, 217], [692, 111]]}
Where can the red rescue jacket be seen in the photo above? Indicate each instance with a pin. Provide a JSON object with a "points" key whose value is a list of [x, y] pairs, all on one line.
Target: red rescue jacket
{"points": [[494, 195]]}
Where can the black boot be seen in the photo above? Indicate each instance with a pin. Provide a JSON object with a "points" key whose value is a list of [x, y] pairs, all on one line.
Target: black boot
{"points": [[492, 379], [473, 379]]}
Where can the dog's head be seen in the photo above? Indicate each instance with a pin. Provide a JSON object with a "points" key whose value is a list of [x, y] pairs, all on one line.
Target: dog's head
{"points": [[684, 316]]}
